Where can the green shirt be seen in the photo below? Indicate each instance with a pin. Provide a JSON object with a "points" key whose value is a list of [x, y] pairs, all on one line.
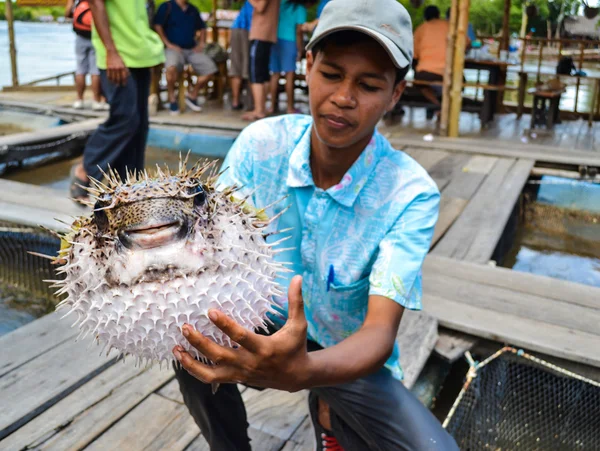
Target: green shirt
{"points": [[138, 45]]}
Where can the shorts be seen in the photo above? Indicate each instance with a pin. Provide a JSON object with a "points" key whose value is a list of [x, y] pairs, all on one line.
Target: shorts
{"points": [[259, 61], [85, 57], [200, 62], [283, 57], [240, 53], [430, 76]]}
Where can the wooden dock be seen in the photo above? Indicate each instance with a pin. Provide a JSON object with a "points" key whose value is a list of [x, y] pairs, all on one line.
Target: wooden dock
{"points": [[59, 394]]}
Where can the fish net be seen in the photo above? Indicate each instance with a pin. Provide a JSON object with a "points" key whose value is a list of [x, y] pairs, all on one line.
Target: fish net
{"points": [[22, 275], [515, 401]]}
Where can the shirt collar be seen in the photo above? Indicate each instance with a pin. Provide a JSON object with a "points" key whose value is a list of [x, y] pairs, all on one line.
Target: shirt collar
{"points": [[345, 192]]}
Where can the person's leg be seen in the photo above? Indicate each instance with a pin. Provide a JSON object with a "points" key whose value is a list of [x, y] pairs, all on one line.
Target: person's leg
{"points": [[289, 52], [378, 412], [205, 68], [221, 416], [144, 78], [111, 140], [259, 75], [174, 65], [96, 85], [275, 70], [236, 90], [236, 66], [82, 68]]}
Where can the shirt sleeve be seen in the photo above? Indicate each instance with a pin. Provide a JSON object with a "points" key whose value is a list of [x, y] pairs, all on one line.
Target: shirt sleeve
{"points": [[200, 24], [160, 15], [396, 273]]}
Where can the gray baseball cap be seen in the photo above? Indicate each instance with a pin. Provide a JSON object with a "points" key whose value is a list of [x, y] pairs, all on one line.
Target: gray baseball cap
{"points": [[387, 21]]}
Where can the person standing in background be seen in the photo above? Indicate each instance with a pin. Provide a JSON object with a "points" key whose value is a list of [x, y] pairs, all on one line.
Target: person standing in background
{"points": [[287, 51], [240, 49], [81, 14], [126, 50], [263, 34], [309, 27]]}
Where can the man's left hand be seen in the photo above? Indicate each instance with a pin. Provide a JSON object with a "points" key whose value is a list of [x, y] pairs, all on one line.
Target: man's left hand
{"points": [[279, 361], [199, 48]]}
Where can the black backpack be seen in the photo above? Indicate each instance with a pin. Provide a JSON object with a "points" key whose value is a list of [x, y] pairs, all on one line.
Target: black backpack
{"points": [[565, 66]]}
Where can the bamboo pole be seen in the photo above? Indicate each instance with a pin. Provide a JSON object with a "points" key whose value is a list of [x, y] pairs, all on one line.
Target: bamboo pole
{"points": [[581, 58], [505, 25], [458, 68], [11, 40], [448, 69]]}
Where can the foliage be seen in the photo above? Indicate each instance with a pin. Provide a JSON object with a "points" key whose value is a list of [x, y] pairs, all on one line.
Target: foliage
{"points": [[204, 6], [27, 13]]}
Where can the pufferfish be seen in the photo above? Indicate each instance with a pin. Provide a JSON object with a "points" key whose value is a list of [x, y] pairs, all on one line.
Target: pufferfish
{"points": [[159, 251]]}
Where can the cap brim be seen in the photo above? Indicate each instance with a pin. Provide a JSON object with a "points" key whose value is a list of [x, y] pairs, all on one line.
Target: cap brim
{"points": [[399, 59]]}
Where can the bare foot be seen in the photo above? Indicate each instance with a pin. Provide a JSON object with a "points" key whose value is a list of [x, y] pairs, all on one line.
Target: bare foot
{"points": [[252, 116]]}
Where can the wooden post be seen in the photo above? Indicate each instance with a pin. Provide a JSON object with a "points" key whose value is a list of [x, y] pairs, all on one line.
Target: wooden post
{"points": [[448, 69], [505, 26], [458, 68], [215, 31], [11, 42], [581, 58]]}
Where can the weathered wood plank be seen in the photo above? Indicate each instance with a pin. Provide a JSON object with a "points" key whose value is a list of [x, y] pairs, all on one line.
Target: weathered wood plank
{"points": [[275, 412], [303, 438], [481, 164], [90, 424], [171, 391], [50, 134], [450, 209], [464, 185], [517, 281], [449, 166], [500, 299], [166, 425], [474, 235], [32, 340], [427, 158], [34, 217], [259, 440], [515, 330], [60, 415], [35, 386], [416, 338], [452, 345]]}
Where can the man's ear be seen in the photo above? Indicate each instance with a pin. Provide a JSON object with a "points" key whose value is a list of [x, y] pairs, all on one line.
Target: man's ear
{"points": [[396, 94], [309, 64]]}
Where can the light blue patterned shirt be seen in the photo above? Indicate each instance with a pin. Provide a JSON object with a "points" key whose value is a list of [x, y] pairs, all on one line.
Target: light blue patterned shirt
{"points": [[367, 235]]}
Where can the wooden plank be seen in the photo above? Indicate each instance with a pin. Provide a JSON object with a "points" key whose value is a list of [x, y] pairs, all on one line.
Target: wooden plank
{"points": [[540, 153], [61, 414], [504, 299], [474, 235], [50, 134], [416, 338], [259, 440], [464, 185], [303, 438], [155, 424], [452, 345], [450, 209], [91, 423], [515, 330], [427, 158], [449, 166], [171, 391], [275, 412], [481, 164], [534, 284], [39, 197], [38, 384], [34, 217], [32, 340]]}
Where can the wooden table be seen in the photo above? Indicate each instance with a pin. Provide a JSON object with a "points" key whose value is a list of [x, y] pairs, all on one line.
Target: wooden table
{"points": [[490, 98]]}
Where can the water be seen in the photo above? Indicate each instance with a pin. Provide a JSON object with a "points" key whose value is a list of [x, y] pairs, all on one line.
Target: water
{"points": [[43, 50], [559, 234]]}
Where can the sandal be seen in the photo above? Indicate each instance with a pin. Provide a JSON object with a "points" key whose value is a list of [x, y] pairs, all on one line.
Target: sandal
{"points": [[77, 189]]}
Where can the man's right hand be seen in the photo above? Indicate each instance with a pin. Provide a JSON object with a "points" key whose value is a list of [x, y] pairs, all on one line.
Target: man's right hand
{"points": [[116, 70], [174, 47]]}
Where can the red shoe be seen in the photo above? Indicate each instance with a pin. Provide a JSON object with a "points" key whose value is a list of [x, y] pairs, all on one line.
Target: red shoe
{"points": [[330, 443]]}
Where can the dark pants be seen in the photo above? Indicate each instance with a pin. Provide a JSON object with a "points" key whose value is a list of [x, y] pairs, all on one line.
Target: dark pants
{"points": [[120, 142], [376, 412]]}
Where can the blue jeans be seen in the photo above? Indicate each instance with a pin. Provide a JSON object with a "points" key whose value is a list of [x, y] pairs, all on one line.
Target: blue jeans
{"points": [[121, 141]]}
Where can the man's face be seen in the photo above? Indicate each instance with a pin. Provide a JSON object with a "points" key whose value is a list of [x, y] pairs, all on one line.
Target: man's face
{"points": [[350, 89]]}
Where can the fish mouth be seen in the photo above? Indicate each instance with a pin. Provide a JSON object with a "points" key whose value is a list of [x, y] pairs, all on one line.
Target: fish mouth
{"points": [[153, 235]]}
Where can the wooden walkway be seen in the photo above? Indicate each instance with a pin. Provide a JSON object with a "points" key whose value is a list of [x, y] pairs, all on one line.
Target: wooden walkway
{"points": [[59, 394]]}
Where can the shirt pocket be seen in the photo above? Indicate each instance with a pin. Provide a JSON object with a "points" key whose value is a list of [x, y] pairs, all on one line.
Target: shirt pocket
{"points": [[347, 308]]}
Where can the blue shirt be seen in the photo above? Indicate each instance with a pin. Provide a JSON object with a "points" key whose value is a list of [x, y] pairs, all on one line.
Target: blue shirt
{"points": [[290, 16], [367, 235], [320, 7], [179, 26], [244, 18]]}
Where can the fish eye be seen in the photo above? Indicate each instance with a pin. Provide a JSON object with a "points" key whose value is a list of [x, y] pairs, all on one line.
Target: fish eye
{"points": [[199, 195]]}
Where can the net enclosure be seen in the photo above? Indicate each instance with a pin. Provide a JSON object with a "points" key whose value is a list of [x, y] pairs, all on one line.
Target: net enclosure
{"points": [[515, 401]]}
